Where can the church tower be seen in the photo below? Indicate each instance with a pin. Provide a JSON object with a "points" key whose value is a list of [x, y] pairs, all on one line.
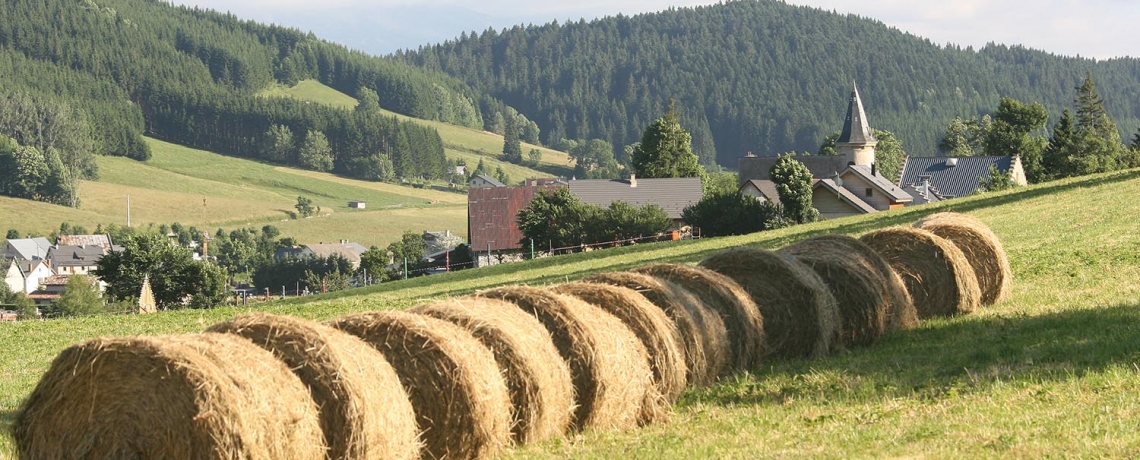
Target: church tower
{"points": [[856, 142]]}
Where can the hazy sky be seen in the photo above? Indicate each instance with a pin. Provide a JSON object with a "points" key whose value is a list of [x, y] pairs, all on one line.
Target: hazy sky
{"points": [[1090, 28]]}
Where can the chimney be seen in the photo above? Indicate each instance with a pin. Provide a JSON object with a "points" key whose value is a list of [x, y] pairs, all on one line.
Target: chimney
{"points": [[873, 170], [632, 180]]}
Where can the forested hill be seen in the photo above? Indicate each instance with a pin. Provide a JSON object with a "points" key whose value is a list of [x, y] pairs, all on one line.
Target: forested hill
{"points": [[760, 76], [135, 67]]}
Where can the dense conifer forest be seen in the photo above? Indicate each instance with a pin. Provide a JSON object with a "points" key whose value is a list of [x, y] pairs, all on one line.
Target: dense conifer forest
{"points": [[190, 76], [759, 75]]}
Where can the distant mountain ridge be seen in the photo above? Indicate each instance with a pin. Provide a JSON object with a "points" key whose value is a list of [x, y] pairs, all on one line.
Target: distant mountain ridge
{"points": [[758, 75]]}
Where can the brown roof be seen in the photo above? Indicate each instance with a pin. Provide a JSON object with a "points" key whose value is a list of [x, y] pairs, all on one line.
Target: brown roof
{"points": [[672, 194], [103, 240], [492, 216]]}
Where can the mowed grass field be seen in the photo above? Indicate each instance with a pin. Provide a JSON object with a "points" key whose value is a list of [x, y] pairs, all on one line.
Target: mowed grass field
{"points": [[1053, 372], [470, 145], [211, 191]]}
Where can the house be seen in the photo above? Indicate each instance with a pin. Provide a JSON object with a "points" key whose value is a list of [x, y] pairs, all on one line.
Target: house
{"points": [[951, 177], [492, 227], [27, 275], [484, 181], [74, 260], [344, 248], [845, 184], [101, 240], [27, 248], [763, 190], [50, 289], [357, 204], [671, 194]]}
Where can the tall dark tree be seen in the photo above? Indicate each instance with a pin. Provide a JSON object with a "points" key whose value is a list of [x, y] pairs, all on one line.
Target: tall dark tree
{"points": [[512, 146], [793, 183], [1093, 144], [666, 149]]}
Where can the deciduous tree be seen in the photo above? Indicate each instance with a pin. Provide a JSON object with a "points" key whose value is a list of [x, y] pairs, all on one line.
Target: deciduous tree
{"points": [[793, 183]]}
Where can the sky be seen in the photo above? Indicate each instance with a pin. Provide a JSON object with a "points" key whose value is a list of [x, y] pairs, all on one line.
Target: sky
{"points": [[1088, 28]]}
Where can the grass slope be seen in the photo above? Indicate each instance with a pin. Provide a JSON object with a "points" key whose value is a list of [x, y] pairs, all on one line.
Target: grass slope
{"points": [[460, 142], [207, 190], [1052, 372]]}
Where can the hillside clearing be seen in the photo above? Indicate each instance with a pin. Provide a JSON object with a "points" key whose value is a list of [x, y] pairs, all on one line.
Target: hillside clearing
{"points": [[208, 190], [1052, 372]]}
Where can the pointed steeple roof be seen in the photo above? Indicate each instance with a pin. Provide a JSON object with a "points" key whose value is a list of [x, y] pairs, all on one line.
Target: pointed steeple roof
{"points": [[856, 130]]}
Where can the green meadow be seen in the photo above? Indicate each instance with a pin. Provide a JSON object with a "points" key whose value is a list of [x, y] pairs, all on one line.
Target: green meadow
{"points": [[1053, 372]]}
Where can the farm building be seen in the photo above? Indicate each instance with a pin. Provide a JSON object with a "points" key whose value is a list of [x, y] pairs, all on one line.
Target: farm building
{"points": [[845, 184], [484, 181], [357, 204]]}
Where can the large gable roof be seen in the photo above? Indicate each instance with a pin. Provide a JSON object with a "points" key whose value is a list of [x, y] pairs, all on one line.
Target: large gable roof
{"points": [[28, 248], [821, 166], [952, 176], [891, 190], [102, 240], [80, 256], [671, 194]]}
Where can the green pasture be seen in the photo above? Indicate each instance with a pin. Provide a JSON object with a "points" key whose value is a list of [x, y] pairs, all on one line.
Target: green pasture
{"points": [[1053, 372]]}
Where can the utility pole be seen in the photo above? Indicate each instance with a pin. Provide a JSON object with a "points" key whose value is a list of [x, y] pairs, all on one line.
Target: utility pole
{"points": [[405, 268], [128, 211]]}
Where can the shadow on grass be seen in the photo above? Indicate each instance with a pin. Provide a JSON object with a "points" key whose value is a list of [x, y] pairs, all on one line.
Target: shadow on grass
{"points": [[950, 357], [7, 419]]}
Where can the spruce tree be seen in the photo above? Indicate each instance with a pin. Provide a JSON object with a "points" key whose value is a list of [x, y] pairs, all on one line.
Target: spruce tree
{"points": [[666, 149], [512, 147]]}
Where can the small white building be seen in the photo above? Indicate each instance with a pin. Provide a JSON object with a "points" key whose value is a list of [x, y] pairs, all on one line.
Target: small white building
{"points": [[356, 204]]}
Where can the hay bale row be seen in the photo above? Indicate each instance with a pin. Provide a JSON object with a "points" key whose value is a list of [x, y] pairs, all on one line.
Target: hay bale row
{"points": [[463, 378]]}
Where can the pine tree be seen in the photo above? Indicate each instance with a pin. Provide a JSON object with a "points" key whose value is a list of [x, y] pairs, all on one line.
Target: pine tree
{"points": [[666, 149], [793, 183], [512, 147]]}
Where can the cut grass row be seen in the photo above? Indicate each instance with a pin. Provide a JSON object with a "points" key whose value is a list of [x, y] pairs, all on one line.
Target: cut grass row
{"points": [[1052, 372]]}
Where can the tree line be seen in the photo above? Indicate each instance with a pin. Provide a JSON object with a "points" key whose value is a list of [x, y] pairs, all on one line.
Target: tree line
{"points": [[760, 76]]}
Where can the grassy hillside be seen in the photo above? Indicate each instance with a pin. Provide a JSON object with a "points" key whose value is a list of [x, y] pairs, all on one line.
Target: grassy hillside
{"points": [[1051, 372], [203, 189], [459, 142]]}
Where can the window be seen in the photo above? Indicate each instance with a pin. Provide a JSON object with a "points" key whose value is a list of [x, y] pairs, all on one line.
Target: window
{"points": [[869, 193]]}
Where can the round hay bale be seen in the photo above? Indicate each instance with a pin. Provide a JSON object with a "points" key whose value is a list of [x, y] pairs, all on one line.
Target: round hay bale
{"points": [[859, 289], [801, 318], [461, 402], [364, 411], [703, 333], [204, 396], [655, 330], [542, 395], [608, 365], [901, 313], [741, 316], [935, 272], [981, 247]]}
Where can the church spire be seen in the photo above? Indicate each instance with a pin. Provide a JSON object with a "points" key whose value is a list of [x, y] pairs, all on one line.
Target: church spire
{"points": [[856, 130]]}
